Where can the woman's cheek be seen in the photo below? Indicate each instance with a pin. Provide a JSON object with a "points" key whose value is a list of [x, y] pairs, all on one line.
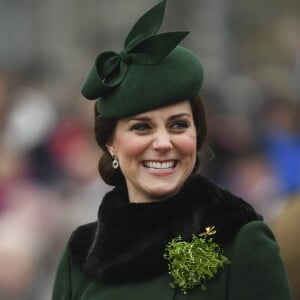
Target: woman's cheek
{"points": [[186, 144], [134, 145]]}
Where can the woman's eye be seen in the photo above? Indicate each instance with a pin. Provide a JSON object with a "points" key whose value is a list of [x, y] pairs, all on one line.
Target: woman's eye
{"points": [[140, 127], [180, 125]]}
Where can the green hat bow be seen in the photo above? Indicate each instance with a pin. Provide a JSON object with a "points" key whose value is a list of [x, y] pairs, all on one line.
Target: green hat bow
{"points": [[142, 46], [150, 72]]}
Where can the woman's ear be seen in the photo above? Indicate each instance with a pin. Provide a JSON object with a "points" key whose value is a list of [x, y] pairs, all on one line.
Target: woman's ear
{"points": [[111, 147]]}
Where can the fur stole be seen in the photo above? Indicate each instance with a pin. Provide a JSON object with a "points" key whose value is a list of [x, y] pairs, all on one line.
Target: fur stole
{"points": [[129, 239]]}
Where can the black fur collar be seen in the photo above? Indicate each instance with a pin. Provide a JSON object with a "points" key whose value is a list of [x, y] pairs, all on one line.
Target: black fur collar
{"points": [[128, 241]]}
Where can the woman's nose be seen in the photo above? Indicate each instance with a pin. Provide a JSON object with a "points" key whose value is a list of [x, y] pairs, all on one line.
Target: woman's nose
{"points": [[162, 141]]}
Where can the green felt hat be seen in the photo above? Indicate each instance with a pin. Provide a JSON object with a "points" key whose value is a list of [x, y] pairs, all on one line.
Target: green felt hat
{"points": [[150, 72]]}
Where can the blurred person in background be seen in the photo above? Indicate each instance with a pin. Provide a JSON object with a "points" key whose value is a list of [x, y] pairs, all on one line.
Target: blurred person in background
{"points": [[162, 222], [76, 155], [285, 226], [280, 138], [47, 167], [30, 212]]}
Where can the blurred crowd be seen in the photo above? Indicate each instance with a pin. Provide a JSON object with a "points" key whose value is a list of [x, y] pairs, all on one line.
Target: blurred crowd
{"points": [[49, 182]]}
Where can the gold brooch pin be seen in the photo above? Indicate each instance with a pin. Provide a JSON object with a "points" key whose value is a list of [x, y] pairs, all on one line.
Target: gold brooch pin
{"points": [[210, 230]]}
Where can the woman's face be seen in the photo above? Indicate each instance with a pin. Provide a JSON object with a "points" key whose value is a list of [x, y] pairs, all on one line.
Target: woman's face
{"points": [[156, 151]]}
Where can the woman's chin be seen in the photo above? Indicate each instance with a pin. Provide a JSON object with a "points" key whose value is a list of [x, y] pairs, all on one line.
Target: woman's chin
{"points": [[160, 193]]}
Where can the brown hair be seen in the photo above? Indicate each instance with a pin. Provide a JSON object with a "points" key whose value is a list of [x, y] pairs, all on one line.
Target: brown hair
{"points": [[104, 129]]}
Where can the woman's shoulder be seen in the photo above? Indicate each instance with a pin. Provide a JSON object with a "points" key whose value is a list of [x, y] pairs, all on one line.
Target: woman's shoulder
{"points": [[80, 239], [254, 251], [255, 231]]}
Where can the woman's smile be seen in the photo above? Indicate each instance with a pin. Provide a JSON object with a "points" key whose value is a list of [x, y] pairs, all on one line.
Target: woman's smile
{"points": [[160, 168], [160, 165]]}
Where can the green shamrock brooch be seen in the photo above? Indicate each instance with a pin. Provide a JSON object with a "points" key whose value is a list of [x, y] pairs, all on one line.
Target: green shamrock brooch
{"points": [[193, 263]]}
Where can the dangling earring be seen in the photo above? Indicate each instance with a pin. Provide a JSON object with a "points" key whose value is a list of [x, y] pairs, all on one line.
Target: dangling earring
{"points": [[115, 162]]}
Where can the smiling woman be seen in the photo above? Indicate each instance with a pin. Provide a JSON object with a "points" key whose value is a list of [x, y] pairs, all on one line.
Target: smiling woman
{"points": [[105, 127], [156, 151], [164, 231]]}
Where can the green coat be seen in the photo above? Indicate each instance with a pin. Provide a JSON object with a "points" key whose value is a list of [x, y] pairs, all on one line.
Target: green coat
{"points": [[255, 272]]}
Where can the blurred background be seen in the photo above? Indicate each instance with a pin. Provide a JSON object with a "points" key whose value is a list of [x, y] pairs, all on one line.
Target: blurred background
{"points": [[49, 182]]}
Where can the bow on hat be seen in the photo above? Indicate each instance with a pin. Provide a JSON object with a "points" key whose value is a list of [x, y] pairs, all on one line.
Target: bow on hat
{"points": [[142, 46]]}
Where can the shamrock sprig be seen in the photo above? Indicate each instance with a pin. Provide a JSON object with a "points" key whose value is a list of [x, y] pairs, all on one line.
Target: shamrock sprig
{"points": [[193, 263]]}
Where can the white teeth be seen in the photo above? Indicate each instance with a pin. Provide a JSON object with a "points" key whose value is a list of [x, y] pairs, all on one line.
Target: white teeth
{"points": [[159, 165]]}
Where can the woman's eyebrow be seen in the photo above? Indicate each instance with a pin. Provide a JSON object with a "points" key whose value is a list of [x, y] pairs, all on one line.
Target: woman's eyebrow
{"points": [[180, 116], [138, 119], [146, 118]]}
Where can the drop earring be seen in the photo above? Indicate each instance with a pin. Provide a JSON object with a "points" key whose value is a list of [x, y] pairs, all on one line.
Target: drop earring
{"points": [[115, 162]]}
